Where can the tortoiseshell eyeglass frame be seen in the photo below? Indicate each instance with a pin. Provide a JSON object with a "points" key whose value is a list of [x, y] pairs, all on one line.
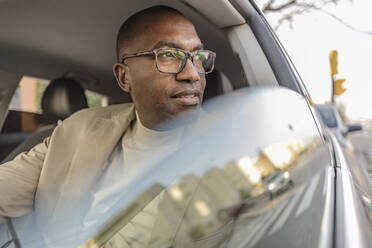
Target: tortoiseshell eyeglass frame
{"points": [[156, 51]]}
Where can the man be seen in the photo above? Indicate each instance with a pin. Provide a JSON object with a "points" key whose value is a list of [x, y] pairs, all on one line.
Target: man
{"points": [[161, 65], [158, 96]]}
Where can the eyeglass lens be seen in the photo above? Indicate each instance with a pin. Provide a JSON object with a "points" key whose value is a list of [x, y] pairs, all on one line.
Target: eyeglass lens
{"points": [[172, 60]]}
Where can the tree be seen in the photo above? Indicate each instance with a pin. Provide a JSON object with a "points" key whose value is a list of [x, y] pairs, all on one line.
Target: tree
{"points": [[289, 9]]}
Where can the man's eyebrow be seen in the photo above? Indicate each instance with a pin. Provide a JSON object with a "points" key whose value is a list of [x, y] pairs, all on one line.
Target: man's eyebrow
{"points": [[165, 44], [174, 45]]}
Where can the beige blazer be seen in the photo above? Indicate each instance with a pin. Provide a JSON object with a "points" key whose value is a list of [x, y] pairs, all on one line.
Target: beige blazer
{"points": [[54, 177]]}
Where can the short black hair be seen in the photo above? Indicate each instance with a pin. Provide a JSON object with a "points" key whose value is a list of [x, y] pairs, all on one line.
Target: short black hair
{"points": [[127, 33]]}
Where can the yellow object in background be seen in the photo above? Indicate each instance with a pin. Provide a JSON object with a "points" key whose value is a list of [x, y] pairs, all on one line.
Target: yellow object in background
{"points": [[337, 87], [333, 62]]}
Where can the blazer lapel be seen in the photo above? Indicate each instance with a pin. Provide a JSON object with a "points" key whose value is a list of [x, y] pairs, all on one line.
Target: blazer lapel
{"points": [[90, 160]]}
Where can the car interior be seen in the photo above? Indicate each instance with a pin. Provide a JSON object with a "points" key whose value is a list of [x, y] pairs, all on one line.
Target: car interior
{"points": [[48, 40]]}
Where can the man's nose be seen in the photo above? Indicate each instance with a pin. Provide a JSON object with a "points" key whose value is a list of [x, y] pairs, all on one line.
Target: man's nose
{"points": [[189, 73]]}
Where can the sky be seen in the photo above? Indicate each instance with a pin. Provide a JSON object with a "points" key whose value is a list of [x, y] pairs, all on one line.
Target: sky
{"points": [[313, 35]]}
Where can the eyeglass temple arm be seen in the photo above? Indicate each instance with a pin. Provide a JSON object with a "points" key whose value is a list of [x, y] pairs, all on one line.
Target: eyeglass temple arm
{"points": [[136, 55]]}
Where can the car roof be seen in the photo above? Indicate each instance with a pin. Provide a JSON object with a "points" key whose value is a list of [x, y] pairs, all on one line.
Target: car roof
{"points": [[49, 39]]}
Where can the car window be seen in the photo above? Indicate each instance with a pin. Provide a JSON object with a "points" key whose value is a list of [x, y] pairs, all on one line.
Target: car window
{"points": [[20, 121], [25, 107], [27, 97], [96, 99]]}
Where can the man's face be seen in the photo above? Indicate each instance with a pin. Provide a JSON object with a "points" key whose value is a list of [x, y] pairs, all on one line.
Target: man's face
{"points": [[158, 96]]}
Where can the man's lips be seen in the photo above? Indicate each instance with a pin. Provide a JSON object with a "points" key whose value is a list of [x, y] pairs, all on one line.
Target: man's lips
{"points": [[187, 97]]}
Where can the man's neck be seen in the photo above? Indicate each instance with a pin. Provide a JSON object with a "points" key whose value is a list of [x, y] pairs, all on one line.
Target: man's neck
{"points": [[181, 120]]}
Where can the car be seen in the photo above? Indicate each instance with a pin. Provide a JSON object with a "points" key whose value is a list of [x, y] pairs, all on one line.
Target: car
{"points": [[277, 182], [330, 116], [227, 186]]}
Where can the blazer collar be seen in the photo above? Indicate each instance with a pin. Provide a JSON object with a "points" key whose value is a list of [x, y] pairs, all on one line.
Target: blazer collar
{"points": [[124, 115], [90, 159]]}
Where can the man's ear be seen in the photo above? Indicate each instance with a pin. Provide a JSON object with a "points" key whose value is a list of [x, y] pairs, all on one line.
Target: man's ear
{"points": [[122, 76]]}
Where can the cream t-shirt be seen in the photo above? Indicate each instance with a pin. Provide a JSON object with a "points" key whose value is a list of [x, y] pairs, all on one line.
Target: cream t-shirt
{"points": [[139, 149], [142, 145]]}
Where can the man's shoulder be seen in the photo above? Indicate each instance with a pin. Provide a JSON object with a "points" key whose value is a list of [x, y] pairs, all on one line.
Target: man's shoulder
{"points": [[81, 123], [102, 112], [87, 116]]}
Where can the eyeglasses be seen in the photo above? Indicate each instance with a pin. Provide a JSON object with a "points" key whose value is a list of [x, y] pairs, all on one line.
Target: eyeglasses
{"points": [[173, 60]]}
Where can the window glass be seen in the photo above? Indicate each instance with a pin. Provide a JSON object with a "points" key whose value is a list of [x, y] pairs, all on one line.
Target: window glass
{"points": [[25, 108], [30, 90], [28, 95], [95, 99], [6, 239], [235, 188]]}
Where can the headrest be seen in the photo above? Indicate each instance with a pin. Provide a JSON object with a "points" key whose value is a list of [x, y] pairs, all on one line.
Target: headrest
{"points": [[61, 98]]}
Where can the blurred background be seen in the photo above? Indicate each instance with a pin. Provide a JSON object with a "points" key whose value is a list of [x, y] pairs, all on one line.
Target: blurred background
{"points": [[310, 30]]}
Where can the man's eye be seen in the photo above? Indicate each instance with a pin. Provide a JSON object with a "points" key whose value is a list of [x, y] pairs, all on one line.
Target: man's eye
{"points": [[202, 56], [167, 55], [172, 54], [179, 55]]}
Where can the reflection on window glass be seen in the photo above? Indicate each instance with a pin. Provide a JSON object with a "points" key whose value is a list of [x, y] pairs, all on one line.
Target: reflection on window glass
{"points": [[203, 210], [5, 236]]}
